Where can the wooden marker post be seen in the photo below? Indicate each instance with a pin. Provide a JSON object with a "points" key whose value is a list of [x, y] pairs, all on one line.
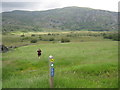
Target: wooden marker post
{"points": [[51, 71]]}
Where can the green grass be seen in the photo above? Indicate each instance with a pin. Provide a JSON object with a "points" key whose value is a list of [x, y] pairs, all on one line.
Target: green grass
{"points": [[77, 65]]}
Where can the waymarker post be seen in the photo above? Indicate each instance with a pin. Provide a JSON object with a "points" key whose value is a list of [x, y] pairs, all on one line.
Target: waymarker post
{"points": [[51, 71]]}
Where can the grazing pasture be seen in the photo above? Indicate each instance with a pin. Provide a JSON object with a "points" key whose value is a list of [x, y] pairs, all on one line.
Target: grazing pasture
{"points": [[83, 64], [16, 39]]}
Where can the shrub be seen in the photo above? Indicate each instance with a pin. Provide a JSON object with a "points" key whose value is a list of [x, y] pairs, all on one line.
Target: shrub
{"points": [[33, 35], [24, 38], [63, 40], [40, 38], [49, 34], [33, 41], [23, 35], [114, 36], [69, 35], [51, 39]]}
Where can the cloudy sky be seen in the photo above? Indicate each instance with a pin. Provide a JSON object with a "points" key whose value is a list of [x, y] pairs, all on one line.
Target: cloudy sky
{"points": [[38, 5]]}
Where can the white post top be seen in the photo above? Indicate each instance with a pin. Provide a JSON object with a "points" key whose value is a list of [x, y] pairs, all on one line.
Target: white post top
{"points": [[50, 57]]}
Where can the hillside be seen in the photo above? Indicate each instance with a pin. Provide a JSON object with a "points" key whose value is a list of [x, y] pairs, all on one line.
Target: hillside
{"points": [[68, 18]]}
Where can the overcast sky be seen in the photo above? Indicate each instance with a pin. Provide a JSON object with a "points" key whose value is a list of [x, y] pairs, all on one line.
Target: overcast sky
{"points": [[38, 5]]}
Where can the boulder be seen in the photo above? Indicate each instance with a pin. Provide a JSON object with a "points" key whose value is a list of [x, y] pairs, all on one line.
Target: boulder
{"points": [[3, 48]]}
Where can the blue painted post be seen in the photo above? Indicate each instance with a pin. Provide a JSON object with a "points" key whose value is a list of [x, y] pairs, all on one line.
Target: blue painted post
{"points": [[51, 71]]}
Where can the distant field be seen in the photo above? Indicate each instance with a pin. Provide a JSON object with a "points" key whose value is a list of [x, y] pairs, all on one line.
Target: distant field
{"points": [[16, 39], [77, 65], [55, 31]]}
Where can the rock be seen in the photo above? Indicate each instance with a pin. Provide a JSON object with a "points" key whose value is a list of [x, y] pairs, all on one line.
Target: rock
{"points": [[3, 48]]}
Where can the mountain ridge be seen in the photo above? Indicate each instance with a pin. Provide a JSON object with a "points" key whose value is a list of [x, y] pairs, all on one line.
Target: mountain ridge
{"points": [[60, 8], [67, 18]]}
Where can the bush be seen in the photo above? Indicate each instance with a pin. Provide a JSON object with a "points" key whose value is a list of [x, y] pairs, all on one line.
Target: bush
{"points": [[63, 40], [114, 36], [69, 35], [24, 38], [51, 39], [33, 41], [33, 35], [22, 35], [49, 34], [40, 38]]}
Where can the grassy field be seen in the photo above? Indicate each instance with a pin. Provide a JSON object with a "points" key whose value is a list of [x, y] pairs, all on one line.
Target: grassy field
{"points": [[15, 38], [77, 65]]}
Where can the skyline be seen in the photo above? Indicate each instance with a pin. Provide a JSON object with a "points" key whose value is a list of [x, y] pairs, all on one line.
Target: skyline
{"points": [[41, 5]]}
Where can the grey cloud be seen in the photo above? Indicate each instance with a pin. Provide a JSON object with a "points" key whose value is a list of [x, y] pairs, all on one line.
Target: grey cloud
{"points": [[41, 5], [52, 5], [8, 6]]}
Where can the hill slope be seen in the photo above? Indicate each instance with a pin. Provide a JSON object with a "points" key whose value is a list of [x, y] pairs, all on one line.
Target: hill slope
{"points": [[68, 18]]}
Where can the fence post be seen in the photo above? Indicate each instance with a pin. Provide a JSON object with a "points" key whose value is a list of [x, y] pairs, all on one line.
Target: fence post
{"points": [[51, 71]]}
